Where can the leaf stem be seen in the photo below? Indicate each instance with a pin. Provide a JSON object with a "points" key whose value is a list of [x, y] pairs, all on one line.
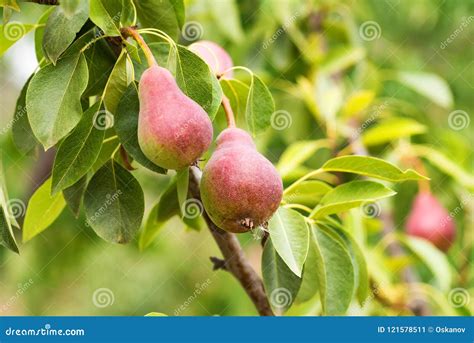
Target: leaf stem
{"points": [[299, 207], [132, 32], [229, 114], [85, 47]]}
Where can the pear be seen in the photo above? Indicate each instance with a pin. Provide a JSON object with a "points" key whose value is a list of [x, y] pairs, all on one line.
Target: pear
{"points": [[215, 56], [173, 130], [240, 188], [428, 219]]}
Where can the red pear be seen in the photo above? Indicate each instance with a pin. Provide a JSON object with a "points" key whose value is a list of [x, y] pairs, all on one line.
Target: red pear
{"points": [[215, 56], [430, 220], [173, 130], [240, 188]]}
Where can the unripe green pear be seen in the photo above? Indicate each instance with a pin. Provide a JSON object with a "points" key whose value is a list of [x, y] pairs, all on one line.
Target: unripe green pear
{"points": [[430, 220], [240, 188], [215, 56], [173, 130]]}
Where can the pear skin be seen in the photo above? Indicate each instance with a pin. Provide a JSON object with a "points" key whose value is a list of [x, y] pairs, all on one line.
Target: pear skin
{"points": [[215, 56]]}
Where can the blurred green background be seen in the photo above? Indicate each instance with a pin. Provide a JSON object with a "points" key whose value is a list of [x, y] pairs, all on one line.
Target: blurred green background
{"points": [[65, 269]]}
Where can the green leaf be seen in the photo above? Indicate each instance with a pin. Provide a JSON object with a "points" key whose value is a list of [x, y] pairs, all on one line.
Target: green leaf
{"points": [[342, 58], [116, 84], [260, 106], [126, 126], [74, 194], [78, 152], [281, 284], [350, 195], [372, 167], [297, 153], [429, 85], [42, 211], [7, 238], [289, 234], [361, 272], [110, 15], [109, 145], [12, 4], [336, 276], [12, 32], [155, 314], [22, 134], [39, 33], [390, 130], [60, 31], [63, 86], [307, 193], [433, 258], [357, 103], [151, 228], [312, 272], [114, 203], [182, 182], [197, 81], [446, 165], [237, 92], [166, 15]]}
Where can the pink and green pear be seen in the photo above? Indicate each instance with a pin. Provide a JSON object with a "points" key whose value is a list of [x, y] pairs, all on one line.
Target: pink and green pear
{"points": [[240, 188], [173, 130], [428, 219], [215, 56]]}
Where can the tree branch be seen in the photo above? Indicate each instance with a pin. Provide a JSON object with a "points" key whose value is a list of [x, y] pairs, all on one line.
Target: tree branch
{"points": [[45, 2], [234, 259]]}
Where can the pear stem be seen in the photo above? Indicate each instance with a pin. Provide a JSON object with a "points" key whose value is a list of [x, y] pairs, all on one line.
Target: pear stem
{"points": [[229, 114], [130, 31]]}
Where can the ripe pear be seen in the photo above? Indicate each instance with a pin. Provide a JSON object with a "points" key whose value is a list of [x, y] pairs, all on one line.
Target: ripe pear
{"points": [[240, 188], [215, 56], [173, 130], [430, 220]]}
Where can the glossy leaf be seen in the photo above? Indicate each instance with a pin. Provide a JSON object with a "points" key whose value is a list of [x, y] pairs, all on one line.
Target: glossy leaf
{"points": [[350, 195], [43, 209], [116, 84], [78, 152], [126, 126], [61, 30], [39, 33], [370, 166], [110, 15], [307, 193], [22, 134], [63, 86], [281, 284], [289, 234], [114, 203], [260, 106]]}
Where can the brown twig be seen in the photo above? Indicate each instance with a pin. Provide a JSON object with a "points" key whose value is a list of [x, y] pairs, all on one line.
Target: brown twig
{"points": [[234, 259], [45, 2]]}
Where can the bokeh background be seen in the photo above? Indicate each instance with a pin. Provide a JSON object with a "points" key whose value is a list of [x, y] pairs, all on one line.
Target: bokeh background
{"points": [[68, 270]]}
